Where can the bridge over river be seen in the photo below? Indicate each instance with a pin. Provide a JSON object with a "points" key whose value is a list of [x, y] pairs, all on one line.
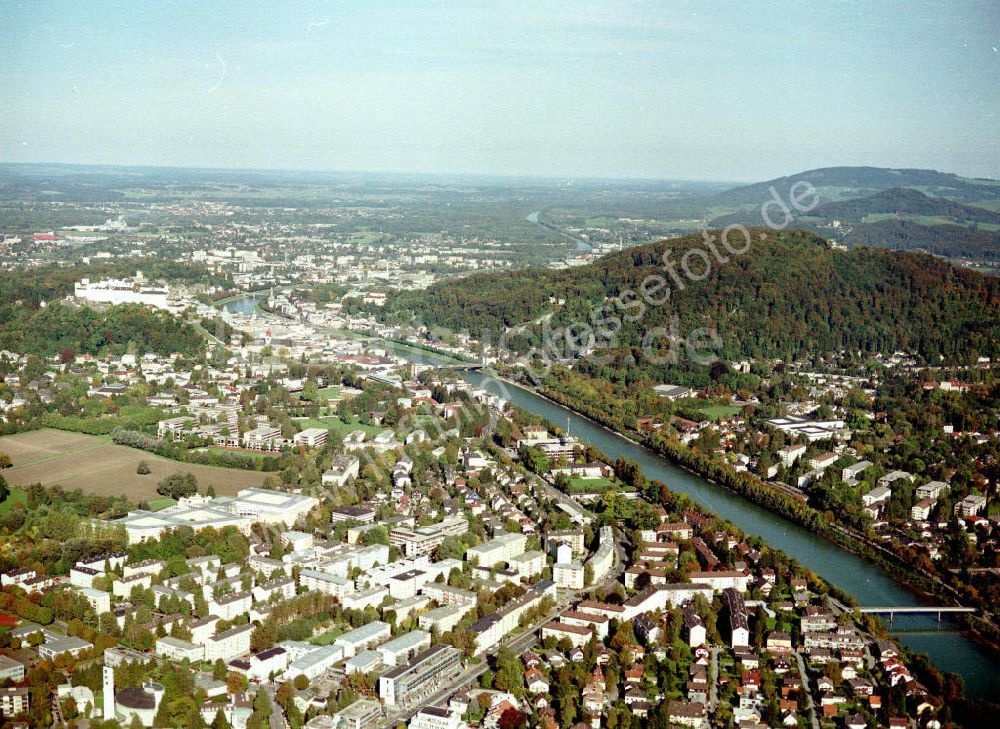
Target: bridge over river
{"points": [[916, 610]]}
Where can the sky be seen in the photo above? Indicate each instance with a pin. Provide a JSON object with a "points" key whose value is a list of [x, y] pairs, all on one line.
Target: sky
{"points": [[662, 89]]}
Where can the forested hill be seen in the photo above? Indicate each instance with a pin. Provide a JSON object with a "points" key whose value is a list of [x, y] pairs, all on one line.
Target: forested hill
{"points": [[904, 201], [950, 241], [836, 183], [59, 328], [34, 321], [790, 294]]}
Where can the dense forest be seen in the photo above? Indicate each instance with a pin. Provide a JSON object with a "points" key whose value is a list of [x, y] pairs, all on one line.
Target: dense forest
{"points": [[789, 295], [899, 201], [59, 328], [904, 201], [951, 241]]}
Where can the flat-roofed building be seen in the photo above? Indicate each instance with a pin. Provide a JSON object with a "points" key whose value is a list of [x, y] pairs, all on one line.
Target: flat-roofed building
{"points": [[311, 437], [282, 588], [931, 490], [230, 606], [573, 537], [497, 550], [406, 584], [267, 663], [405, 608], [177, 649], [971, 505], [529, 564], [272, 507], [360, 514], [339, 587], [262, 438], [82, 576], [364, 637], [850, 473], [228, 644], [98, 599], [448, 595], [419, 541], [362, 714], [142, 525], [11, 669], [363, 662], [401, 649], [316, 662], [444, 618], [123, 587], [15, 700], [342, 470], [203, 629], [568, 575], [435, 717], [69, 645], [432, 668], [371, 597]]}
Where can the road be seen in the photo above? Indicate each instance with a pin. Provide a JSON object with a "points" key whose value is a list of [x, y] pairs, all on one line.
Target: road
{"points": [[805, 687], [277, 719], [713, 677]]}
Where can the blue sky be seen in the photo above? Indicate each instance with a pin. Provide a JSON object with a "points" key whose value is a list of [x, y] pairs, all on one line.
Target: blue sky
{"points": [[631, 88]]}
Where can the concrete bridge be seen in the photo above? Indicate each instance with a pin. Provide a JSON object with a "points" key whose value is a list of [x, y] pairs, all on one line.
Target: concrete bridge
{"points": [[910, 610]]}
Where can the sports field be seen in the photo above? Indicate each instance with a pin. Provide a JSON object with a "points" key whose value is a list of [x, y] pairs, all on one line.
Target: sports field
{"points": [[95, 465]]}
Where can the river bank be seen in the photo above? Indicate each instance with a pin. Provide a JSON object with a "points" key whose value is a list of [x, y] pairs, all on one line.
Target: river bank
{"points": [[949, 649], [951, 646], [927, 588]]}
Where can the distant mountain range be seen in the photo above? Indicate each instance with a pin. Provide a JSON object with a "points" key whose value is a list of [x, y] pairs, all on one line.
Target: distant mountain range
{"points": [[838, 183], [940, 213], [904, 201]]}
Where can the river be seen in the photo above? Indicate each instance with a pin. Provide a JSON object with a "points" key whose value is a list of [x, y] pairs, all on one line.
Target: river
{"points": [[948, 648], [247, 305]]}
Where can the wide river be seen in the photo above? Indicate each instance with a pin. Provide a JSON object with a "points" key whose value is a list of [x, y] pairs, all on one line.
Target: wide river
{"points": [[949, 649]]}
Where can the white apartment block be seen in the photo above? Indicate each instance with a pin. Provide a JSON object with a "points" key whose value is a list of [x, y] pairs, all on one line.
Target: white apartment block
{"points": [[444, 618], [203, 629], [283, 588], [339, 587], [364, 637], [98, 599], [497, 550], [228, 645], [311, 437], [123, 587], [568, 575], [177, 649], [230, 606], [528, 564]]}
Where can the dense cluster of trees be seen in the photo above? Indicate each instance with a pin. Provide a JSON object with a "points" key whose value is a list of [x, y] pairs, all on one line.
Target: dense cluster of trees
{"points": [[58, 328], [790, 294], [951, 241]]}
